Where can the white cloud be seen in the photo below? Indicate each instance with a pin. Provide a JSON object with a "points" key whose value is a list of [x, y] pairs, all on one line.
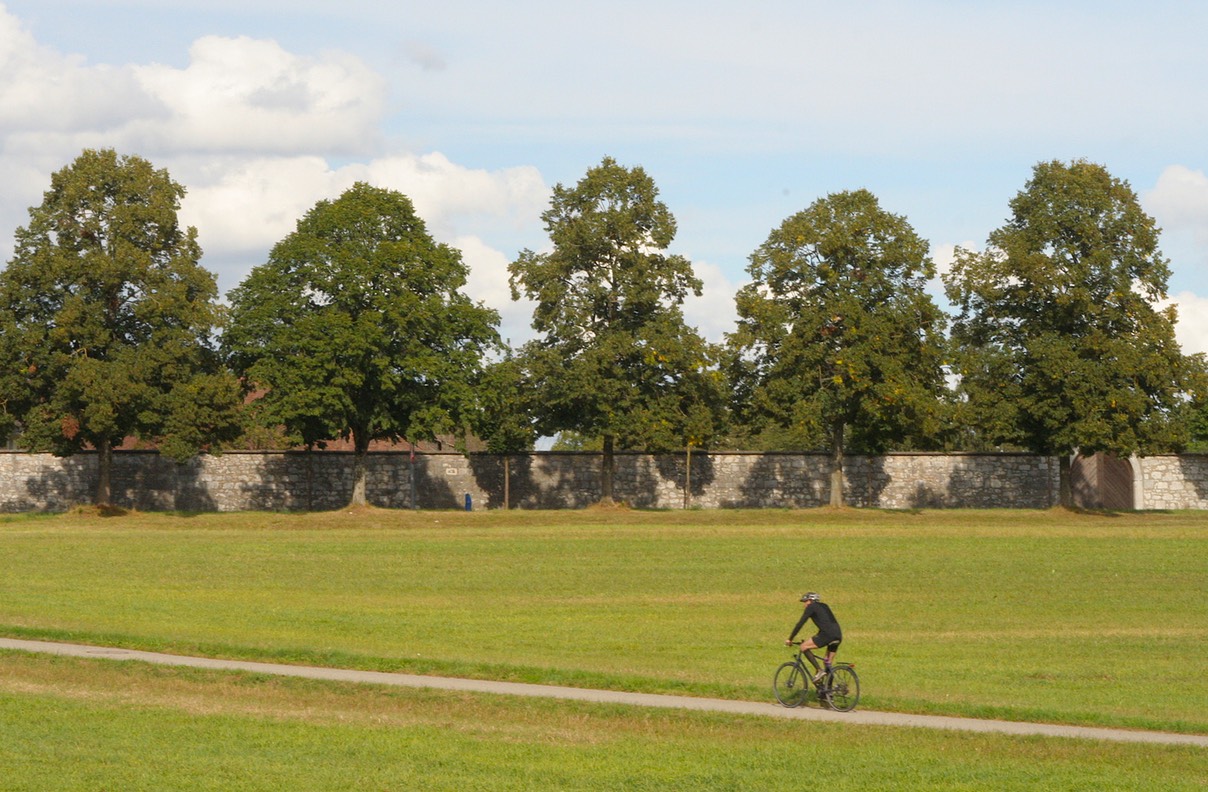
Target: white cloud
{"points": [[488, 284], [250, 129], [235, 95], [714, 313], [446, 194], [1179, 201], [238, 100], [252, 204], [243, 94], [242, 208], [1192, 329], [45, 93]]}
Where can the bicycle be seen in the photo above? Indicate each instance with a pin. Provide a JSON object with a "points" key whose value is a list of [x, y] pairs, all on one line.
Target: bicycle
{"points": [[839, 689]]}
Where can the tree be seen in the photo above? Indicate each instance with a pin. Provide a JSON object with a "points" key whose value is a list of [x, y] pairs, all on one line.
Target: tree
{"points": [[504, 419], [1060, 343], [355, 328], [615, 358], [838, 345], [108, 319]]}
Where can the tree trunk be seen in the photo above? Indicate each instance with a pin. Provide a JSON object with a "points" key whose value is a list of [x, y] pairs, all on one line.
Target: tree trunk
{"points": [[836, 472], [104, 473], [606, 468], [361, 449]]}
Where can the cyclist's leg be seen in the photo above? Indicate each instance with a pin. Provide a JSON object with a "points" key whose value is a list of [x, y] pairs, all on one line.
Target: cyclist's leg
{"points": [[819, 672], [806, 647], [819, 641]]}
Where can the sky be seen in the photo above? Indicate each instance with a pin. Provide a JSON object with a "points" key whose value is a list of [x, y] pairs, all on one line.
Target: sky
{"points": [[742, 113]]}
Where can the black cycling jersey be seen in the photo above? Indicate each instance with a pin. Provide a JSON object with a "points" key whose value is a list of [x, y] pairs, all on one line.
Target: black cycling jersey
{"points": [[824, 620]]}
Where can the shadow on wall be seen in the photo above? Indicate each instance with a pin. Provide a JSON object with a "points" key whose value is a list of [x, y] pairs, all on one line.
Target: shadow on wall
{"points": [[318, 481], [573, 479], [569, 480], [783, 480], [290, 481], [150, 482], [867, 478], [507, 480], [433, 489], [659, 481], [988, 481], [691, 474], [46, 483], [1193, 472], [324, 480]]}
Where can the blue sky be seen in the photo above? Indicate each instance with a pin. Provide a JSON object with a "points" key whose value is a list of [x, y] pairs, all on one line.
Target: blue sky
{"points": [[743, 114]]}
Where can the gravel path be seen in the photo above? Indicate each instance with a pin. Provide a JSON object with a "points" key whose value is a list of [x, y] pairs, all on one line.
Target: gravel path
{"points": [[614, 697]]}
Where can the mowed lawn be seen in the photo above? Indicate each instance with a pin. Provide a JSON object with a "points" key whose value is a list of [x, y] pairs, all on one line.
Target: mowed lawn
{"points": [[1041, 615], [1074, 618], [69, 724]]}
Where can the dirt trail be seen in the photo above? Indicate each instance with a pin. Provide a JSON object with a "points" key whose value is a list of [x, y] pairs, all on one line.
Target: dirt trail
{"points": [[612, 696]]}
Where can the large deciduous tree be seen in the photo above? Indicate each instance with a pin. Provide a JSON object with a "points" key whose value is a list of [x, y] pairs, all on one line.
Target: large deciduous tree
{"points": [[1060, 343], [107, 320], [615, 358], [838, 346], [356, 328]]}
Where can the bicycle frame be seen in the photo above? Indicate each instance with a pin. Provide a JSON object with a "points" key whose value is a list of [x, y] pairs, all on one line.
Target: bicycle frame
{"points": [[838, 688], [808, 654]]}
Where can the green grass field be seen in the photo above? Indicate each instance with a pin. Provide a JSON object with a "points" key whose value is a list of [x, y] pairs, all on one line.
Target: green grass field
{"points": [[1072, 618]]}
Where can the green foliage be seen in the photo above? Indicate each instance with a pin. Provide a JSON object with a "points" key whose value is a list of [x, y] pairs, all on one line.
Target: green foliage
{"points": [[356, 328], [107, 317], [574, 441], [616, 358], [503, 420], [837, 343], [1058, 340], [1197, 423]]}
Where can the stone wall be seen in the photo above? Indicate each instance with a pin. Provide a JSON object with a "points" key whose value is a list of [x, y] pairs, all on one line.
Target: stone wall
{"points": [[275, 481], [1172, 482]]}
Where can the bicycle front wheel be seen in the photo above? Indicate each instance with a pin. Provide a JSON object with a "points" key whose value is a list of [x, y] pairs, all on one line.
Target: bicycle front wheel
{"points": [[790, 684], [842, 688]]}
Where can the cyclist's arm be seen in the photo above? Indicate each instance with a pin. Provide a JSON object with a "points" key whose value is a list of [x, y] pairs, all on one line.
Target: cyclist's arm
{"points": [[805, 614]]}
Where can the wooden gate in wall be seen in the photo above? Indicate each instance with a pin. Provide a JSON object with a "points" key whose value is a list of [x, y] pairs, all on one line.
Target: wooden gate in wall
{"points": [[1102, 481]]}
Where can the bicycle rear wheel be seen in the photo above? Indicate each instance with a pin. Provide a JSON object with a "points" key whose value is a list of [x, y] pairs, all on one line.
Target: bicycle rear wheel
{"points": [[842, 688], [790, 684]]}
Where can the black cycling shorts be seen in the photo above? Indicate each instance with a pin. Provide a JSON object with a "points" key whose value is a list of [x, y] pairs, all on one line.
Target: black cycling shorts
{"points": [[829, 641]]}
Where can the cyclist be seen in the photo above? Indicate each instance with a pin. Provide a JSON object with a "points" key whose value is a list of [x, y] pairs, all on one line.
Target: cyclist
{"points": [[829, 634]]}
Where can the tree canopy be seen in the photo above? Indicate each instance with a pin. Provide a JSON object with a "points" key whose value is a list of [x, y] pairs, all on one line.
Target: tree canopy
{"points": [[838, 346], [615, 358], [356, 328], [1060, 343], [107, 319]]}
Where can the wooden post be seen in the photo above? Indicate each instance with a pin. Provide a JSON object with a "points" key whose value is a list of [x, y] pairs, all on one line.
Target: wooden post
{"points": [[688, 478], [507, 482]]}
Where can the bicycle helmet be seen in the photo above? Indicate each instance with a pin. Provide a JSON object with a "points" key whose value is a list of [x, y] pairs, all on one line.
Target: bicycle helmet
{"points": [[810, 597]]}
